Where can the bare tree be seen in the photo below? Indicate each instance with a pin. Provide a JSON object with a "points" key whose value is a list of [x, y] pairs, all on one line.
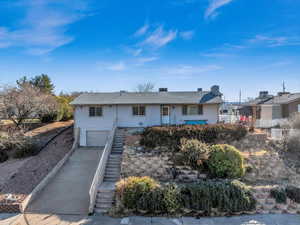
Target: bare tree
{"points": [[146, 87], [25, 101]]}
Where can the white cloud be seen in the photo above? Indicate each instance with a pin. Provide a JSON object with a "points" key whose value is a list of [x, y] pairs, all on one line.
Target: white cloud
{"points": [[160, 37], [213, 6], [143, 60], [44, 26], [190, 70], [141, 31], [133, 51], [187, 35], [120, 66], [272, 41]]}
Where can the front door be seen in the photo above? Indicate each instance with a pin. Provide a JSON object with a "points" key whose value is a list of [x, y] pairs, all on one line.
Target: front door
{"points": [[165, 114]]}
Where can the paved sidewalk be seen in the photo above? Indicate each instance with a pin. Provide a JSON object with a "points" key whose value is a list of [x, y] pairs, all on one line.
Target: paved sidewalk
{"points": [[267, 219], [68, 191]]}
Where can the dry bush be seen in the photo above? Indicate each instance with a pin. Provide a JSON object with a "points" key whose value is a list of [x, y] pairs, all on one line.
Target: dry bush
{"points": [[293, 141], [295, 121]]}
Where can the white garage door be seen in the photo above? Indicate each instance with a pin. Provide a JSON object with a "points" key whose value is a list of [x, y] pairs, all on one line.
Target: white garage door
{"points": [[96, 138]]}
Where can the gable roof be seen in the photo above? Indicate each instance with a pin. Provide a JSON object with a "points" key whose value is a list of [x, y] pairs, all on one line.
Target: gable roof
{"points": [[257, 101], [119, 98], [283, 99]]}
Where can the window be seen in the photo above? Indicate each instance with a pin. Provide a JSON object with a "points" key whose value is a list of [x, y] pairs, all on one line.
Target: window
{"points": [[192, 110], [95, 111], [139, 110], [299, 108]]}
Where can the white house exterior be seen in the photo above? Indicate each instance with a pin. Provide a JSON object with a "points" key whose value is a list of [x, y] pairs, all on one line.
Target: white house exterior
{"points": [[95, 113]]}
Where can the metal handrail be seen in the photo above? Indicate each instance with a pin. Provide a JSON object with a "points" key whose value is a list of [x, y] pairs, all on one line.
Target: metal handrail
{"points": [[99, 174]]}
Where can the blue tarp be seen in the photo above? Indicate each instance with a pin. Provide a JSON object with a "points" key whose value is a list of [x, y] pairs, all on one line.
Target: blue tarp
{"points": [[195, 122]]}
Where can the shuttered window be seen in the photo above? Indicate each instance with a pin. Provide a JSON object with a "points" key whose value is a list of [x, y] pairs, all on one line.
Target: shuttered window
{"points": [[139, 110], [95, 111], [192, 110]]}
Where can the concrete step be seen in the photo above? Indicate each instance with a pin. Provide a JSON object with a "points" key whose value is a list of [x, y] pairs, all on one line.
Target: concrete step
{"points": [[114, 161], [100, 210], [105, 195], [113, 165], [116, 147], [104, 200], [111, 176], [111, 179], [104, 206], [102, 191], [116, 151], [112, 171], [114, 157]]}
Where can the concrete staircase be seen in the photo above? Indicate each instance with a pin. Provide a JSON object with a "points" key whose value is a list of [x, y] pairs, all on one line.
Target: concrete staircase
{"points": [[106, 191]]}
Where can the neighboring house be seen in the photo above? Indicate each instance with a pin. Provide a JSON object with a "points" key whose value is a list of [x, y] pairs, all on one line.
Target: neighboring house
{"points": [[282, 106], [95, 113], [252, 108], [269, 111]]}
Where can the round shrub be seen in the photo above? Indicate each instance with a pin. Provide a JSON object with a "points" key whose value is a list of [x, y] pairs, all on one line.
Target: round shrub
{"points": [[3, 156], [293, 193], [26, 148], [225, 161], [131, 189], [279, 195], [194, 153]]}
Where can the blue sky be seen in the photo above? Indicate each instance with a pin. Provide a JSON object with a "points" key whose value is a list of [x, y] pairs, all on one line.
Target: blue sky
{"points": [[111, 45]]}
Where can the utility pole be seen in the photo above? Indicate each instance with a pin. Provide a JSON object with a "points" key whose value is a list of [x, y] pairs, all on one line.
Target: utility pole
{"points": [[283, 87], [240, 97]]}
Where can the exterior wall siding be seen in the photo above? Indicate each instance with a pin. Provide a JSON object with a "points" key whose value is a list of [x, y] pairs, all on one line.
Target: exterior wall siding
{"points": [[293, 107], [124, 117], [271, 112]]}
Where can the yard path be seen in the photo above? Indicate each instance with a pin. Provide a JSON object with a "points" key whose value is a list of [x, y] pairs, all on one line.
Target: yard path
{"points": [[45, 219], [68, 191]]}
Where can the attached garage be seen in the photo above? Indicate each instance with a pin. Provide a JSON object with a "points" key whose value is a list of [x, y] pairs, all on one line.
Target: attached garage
{"points": [[96, 138]]}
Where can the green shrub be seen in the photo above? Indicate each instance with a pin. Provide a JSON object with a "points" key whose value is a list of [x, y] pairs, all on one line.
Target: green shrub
{"points": [[48, 118], [171, 198], [152, 201], [293, 193], [26, 148], [170, 136], [3, 156], [225, 161], [226, 196], [279, 195], [144, 195], [132, 189], [194, 153], [65, 110]]}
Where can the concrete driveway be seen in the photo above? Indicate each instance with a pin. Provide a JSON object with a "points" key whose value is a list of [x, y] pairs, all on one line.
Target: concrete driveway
{"points": [[46, 219], [68, 191]]}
